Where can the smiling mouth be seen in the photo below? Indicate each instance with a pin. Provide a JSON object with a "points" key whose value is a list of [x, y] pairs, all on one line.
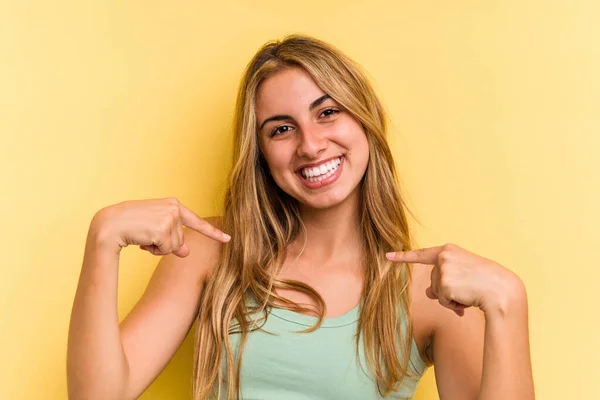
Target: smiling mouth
{"points": [[322, 171]]}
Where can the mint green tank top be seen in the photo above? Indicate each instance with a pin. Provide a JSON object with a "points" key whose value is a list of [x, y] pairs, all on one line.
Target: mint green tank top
{"points": [[283, 364]]}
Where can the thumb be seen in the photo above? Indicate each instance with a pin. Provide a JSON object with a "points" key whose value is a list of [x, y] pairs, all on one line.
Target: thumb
{"points": [[430, 294], [183, 251]]}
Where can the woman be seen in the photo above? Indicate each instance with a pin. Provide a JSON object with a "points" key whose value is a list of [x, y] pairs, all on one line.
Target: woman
{"points": [[317, 293]]}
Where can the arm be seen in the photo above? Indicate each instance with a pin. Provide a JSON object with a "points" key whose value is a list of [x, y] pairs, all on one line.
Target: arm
{"points": [[457, 353], [499, 337], [157, 325], [96, 363], [506, 358], [108, 361], [478, 354]]}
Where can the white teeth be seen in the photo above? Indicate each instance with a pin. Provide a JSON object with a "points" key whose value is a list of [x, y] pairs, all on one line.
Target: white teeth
{"points": [[322, 171], [321, 177]]}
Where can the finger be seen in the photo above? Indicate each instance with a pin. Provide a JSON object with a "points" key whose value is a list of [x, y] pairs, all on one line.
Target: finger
{"points": [[429, 293], [434, 283], [180, 233], [164, 245], [174, 236], [445, 302], [193, 221], [427, 255], [152, 249], [178, 246], [458, 308], [182, 251]]}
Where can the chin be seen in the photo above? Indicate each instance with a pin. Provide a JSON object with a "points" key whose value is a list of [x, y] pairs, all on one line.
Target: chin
{"points": [[319, 204], [329, 199]]}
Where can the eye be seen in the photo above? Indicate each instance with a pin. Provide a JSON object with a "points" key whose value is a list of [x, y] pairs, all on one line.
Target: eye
{"points": [[280, 130], [329, 112]]}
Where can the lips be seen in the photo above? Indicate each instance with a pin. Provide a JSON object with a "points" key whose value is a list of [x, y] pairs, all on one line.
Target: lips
{"points": [[321, 174], [321, 170]]}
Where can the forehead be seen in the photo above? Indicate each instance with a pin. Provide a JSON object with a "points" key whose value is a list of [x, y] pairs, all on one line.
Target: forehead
{"points": [[289, 90]]}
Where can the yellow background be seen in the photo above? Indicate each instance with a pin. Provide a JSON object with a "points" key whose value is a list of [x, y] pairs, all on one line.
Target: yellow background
{"points": [[495, 129]]}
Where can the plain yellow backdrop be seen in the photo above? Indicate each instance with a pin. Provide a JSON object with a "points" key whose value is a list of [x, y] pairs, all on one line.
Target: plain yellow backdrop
{"points": [[495, 126]]}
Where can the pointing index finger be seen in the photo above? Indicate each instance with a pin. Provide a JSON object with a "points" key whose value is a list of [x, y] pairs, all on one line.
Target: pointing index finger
{"points": [[193, 221], [427, 255]]}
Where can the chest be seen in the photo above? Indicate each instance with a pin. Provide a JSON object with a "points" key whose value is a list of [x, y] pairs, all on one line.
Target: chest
{"points": [[339, 284], [282, 363]]}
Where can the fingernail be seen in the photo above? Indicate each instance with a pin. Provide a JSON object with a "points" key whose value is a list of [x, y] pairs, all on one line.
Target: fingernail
{"points": [[390, 255], [226, 236]]}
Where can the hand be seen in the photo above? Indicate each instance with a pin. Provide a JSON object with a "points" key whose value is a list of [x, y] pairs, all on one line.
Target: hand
{"points": [[155, 225], [461, 279]]}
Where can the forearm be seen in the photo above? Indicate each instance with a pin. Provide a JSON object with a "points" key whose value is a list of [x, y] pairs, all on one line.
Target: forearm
{"points": [[96, 362], [506, 359]]}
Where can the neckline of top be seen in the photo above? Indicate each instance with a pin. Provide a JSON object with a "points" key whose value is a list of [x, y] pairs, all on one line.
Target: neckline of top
{"points": [[308, 320]]}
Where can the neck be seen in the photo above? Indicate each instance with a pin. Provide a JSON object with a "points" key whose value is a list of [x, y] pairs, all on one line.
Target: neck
{"points": [[331, 232]]}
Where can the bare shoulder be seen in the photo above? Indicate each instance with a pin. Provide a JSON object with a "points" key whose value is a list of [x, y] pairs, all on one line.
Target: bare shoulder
{"points": [[421, 278], [216, 221], [429, 317], [204, 252], [420, 303], [422, 313], [435, 326], [200, 242], [177, 272], [210, 247]]}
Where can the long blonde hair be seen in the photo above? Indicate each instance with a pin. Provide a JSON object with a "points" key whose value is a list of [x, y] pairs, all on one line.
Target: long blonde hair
{"points": [[263, 221]]}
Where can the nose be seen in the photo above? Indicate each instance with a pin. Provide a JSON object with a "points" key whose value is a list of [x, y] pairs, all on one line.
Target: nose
{"points": [[312, 143]]}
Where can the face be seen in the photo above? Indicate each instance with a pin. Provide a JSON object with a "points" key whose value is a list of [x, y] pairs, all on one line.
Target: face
{"points": [[315, 150]]}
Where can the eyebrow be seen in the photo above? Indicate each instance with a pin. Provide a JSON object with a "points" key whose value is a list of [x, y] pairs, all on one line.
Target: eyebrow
{"points": [[280, 117]]}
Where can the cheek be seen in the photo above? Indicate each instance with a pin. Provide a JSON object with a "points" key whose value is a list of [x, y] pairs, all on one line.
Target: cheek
{"points": [[278, 164], [276, 160], [364, 146], [356, 141], [360, 154]]}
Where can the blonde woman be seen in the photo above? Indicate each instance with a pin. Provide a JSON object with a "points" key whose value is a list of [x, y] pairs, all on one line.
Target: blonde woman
{"points": [[315, 292]]}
